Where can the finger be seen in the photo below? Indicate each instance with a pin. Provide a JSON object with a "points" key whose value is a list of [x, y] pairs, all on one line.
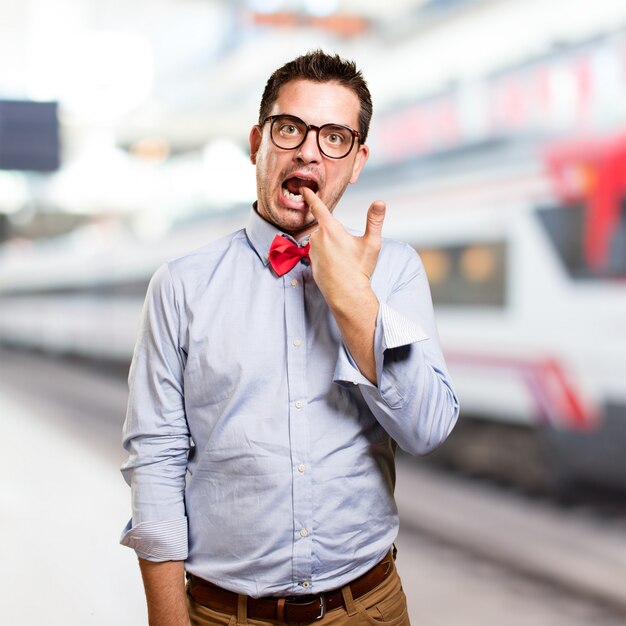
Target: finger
{"points": [[318, 208], [375, 219]]}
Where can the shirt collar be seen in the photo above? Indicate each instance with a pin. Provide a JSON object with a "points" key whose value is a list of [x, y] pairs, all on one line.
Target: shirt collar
{"points": [[261, 233]]}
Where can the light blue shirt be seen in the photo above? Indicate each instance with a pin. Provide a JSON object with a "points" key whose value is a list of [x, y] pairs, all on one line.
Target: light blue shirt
{"points": [[258, 452]]}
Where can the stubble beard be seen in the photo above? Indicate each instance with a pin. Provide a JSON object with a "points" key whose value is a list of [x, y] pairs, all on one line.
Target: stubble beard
{"points": [[279, 216]]}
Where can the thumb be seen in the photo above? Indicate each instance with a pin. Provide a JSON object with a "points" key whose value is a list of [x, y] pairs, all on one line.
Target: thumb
{"points": [[375, 219]]}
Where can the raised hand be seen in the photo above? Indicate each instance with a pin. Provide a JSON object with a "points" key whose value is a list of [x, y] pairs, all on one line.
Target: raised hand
{"points": [[341, 261], [342, 266]]}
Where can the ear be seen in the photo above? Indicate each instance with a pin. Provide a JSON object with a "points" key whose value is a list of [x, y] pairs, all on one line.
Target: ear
{"points": [[256, 134], [361, 156]]}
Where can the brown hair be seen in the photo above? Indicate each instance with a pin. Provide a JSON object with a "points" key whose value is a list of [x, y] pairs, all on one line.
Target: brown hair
{"points": [[320, 67]]}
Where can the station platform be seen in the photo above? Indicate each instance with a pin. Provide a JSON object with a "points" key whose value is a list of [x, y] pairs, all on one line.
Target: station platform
{"points": [[61, 512]]}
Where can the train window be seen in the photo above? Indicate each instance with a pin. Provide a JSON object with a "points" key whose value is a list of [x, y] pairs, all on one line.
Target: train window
{"points": [[467, 275], [588, 247]]}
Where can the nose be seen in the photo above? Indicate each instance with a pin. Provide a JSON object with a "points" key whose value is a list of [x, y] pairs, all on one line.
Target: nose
{"points": [[309, 151]]}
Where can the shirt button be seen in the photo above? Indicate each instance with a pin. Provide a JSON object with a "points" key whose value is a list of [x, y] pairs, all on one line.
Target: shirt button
{"points": [[304, 533], [294, 282], [301, 468], [306, 584], [298, 404], [297, 342]]}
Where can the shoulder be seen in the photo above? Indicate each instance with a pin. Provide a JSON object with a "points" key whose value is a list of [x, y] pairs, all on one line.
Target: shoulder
{"points": [[400, 253], [398, 264], [396, 247], [187, 270], [204, 260], [206, 254]]}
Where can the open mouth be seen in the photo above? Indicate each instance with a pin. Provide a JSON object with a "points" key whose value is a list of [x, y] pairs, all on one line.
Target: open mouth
{"points": [[291, 187]]}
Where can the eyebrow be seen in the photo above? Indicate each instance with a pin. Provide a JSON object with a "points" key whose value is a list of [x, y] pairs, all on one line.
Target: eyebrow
{"points": [[356, 127]]}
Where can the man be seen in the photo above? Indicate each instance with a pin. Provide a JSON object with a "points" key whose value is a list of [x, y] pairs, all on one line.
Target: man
{"points": [[295, 355]]}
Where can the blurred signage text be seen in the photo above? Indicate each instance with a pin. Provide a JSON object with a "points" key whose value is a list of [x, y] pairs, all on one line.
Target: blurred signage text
{"points": [[29, 136], [575, 91]]}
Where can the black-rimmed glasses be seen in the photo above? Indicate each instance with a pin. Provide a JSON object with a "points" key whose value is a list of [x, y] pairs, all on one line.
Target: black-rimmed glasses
{"points": [[289, 132]]}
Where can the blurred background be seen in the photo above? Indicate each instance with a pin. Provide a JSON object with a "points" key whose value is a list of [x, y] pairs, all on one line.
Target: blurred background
{"points": [[499, 143]]}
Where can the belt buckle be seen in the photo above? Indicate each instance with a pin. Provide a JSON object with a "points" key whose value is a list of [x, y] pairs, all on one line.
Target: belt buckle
{"points": [[322, 607], [321, 597]]}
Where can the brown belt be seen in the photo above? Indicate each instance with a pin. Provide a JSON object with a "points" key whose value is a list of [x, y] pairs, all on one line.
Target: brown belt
{"points": [[290, 609]]}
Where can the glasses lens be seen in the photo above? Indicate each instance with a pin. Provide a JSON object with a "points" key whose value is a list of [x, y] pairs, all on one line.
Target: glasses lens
{"points": [[288, 132], [335, 141]]}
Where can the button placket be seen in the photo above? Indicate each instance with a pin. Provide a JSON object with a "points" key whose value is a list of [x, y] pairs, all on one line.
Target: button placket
{"points": [[294, 288]]}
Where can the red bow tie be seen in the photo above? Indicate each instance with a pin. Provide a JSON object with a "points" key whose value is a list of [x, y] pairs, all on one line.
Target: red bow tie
{"points": [[285, 254]]}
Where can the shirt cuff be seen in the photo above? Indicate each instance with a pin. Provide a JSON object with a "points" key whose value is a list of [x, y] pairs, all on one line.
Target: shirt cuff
{"points": [[393, 330], [158, 541], [397, 329]]}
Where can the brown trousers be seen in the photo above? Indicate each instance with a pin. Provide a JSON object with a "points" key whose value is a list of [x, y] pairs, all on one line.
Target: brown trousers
{"points": [[384, 605]]}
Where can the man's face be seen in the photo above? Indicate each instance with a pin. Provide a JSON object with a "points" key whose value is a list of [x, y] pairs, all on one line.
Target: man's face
{"points": [[317, 104]]}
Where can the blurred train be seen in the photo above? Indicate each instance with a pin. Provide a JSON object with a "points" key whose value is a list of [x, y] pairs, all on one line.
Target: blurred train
{"points": [[525, 248]]}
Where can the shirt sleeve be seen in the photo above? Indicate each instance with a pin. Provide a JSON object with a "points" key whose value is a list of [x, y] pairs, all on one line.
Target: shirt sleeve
{"points": [[156, 435], [414, 400]]}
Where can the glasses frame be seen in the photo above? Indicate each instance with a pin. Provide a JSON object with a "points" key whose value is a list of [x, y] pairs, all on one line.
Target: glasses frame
{"points": [[272, 118]]}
